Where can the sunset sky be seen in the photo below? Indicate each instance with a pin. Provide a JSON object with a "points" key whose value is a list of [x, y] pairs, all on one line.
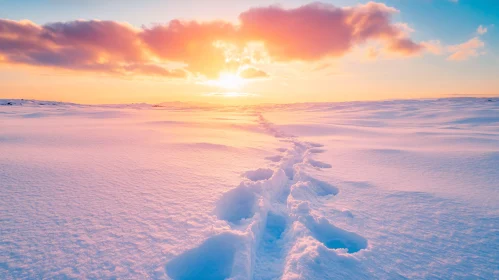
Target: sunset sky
{"points": [[246, 52]]}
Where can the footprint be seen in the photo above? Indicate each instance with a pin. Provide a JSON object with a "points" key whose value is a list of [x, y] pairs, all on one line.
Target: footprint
{"points": [[290, 172], [347, 213], [236, 204], [320, 188], [315, 145], [276, 158], [317, 151], [334, 237], [360, 184], [319, 164], [270, 252], [211, 260], [298, 146], [276, 225], [259, 174]]}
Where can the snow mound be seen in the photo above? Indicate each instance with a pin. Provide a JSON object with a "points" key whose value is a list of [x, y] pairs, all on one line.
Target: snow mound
{"points": [[259, 174]]}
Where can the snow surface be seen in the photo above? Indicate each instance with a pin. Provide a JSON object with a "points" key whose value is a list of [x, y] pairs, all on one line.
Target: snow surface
{"points": [[359, 190]]}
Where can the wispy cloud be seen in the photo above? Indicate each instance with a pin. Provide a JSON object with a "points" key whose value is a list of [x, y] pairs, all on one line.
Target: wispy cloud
{"points": [[466, 50], [459, 52], [481, 30]]}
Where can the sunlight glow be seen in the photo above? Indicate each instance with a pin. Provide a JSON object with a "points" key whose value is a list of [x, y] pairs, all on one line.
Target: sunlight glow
{"points": [[228, 81], [230, 94]]}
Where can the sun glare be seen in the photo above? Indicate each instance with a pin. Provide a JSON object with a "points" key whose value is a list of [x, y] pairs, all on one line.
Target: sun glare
{"points": [[229, 81]]}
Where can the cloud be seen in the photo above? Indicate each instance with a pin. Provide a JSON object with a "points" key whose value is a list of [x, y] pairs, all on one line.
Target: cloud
{"points": [[252, 73], [317, 30], [465, 50], [372, 53], [155, 70], [481, 30], [458, 52], [193, 43], [97, 46], [434, 46], [308, 33], [405, 46], [321, 66]]}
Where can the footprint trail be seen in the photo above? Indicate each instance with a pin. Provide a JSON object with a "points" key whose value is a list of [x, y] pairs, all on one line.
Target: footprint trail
{"points": [[270, 219]]}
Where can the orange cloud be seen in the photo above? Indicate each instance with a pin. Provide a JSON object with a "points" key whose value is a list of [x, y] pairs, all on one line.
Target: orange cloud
{"points": [[252, 73], [191, 42], [308, 33]]}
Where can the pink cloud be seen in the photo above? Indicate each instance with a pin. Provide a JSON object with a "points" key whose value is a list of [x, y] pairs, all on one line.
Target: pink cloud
{"points": [[308, 33], [317, 30], [112, 39], [304, 33], [405, 46], [98, 46]]}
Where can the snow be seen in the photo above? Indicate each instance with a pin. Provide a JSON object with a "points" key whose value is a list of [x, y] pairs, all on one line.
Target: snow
{"points": [[357, 190]]}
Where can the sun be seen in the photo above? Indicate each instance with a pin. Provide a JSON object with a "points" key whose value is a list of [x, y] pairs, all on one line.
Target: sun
{"points": [[229, 81]]}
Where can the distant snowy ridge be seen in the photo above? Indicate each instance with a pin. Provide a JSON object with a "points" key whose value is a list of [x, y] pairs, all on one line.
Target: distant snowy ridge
{"points": [[163, 105], [273, 231], [258, 107], [32, 102]]}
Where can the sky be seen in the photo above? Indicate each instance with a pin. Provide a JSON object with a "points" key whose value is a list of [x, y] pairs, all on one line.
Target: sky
{"points": [[246, 52]]}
